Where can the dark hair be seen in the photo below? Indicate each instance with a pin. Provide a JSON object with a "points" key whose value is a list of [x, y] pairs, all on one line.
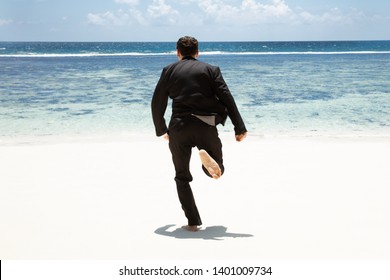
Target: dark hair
{"points": [[187, 46]]}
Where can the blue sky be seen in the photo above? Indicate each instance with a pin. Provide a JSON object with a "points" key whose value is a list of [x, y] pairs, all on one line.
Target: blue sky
{"points": [[208, 20]]}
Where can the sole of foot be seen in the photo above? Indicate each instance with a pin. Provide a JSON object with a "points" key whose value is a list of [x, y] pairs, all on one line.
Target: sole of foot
{"points": [[210, 164]]}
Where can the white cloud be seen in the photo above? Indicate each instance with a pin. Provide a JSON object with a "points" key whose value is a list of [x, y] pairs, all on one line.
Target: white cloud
{"points": [[233, 13], [4, 22], [138, 17], [334, 15], [157, 12], [159, 9], [127, 2], [276, 8], [248, 12], [109, 18], [219, 11]]}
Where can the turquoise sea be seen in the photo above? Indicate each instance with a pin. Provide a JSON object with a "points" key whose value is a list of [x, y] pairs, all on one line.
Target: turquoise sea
{"points": [[79, 89]]}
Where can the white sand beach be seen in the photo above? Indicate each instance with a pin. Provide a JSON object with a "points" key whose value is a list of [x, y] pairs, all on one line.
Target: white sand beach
{"points": [[280, 198]]}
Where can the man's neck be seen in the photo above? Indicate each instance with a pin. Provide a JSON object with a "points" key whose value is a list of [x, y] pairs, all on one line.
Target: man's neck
{"points": [[181, 57]]}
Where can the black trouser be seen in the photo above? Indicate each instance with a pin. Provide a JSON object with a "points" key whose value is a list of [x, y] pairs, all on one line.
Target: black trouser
{"points": [[184, 134]]}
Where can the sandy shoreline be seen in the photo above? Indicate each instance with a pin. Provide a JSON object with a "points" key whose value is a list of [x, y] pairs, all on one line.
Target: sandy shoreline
{"points": [[280, 198]]}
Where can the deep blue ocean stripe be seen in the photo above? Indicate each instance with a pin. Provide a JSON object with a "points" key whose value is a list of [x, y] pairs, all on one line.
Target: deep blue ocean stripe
{"points": [[168, 48]]}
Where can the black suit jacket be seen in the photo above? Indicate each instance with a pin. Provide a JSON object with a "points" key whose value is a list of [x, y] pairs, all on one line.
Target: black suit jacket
{"points": [[195, 88]]}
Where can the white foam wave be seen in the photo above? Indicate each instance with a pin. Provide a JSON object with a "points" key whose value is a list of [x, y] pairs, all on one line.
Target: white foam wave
{"points": [[293, 53], [92, 54]]}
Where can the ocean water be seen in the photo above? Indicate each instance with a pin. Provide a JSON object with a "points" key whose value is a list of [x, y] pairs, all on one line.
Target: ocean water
{"points": [[281, 88]]}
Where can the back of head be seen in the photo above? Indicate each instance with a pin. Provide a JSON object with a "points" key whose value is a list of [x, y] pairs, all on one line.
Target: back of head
{"points": [[187, 46]]}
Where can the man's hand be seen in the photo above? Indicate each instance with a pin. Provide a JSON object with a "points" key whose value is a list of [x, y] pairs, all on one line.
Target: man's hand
{"points": [[165, 136], [241, 137]]}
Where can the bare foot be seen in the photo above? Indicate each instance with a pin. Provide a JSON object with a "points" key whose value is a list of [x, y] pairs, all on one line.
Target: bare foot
{"points": [[191, 228], [210, 164]]}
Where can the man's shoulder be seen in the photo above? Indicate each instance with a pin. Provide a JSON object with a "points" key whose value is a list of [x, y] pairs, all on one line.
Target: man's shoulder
{"points": [[205, 66], [194, 62], [171, 65]]}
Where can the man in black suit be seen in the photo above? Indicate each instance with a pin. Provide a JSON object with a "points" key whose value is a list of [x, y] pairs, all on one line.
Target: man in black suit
{"points": [[200, 101]]}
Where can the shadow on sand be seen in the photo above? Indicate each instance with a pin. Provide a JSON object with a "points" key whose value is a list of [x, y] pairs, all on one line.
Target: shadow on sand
{"points": [[209, 233]]}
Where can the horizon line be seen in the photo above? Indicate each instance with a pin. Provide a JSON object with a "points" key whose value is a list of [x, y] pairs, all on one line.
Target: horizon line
{"points": [[200, 41]]}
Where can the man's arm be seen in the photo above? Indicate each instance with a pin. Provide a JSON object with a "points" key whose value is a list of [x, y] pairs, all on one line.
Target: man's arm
{"points": [[159, 106], [224, 95]]}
